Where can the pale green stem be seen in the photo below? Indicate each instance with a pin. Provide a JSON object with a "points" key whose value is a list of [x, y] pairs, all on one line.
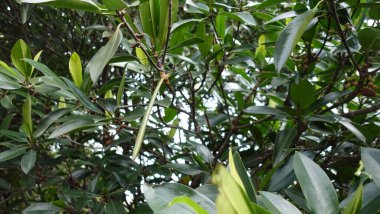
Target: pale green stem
{"points": [[140, 135]]}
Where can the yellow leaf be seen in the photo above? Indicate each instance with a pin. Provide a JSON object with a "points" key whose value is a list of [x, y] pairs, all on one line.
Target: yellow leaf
{"points": [[141, 56]]}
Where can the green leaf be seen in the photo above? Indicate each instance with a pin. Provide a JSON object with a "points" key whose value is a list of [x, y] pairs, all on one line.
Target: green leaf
{"points": [[115, 4], [328, 99], [143, 58], [267, 4], [199, 7], [188, 169], [356, 203], [71, 126], [316, 186], [99, 61], [284, 140], [208, 190], [75, 67], [45, 70], [369, 39], [230, 193], [20, 51], [289, 37], [244, 17], [264, 110], [120, 90], [144, 123], [349, 125], [27, 116], [12, 153], [184, 23], [188, 201], [115, 207], [371, 161], [81, 97], [289, 14], [284, 176], [41, 208], [170, 114], [188, 42], [302, 94], [49, 119], [239, 173], [85, 5], [160, 196], [36, 58], [28, 161], [164, 20], [11, 72], [146, 19], [370, 200], [277, 205], [8, 83]]}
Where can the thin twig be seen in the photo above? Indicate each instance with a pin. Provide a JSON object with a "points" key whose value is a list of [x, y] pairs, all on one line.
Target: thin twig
{"points": [[168, 33], [342, 35], [121, 16], [362, 111]]}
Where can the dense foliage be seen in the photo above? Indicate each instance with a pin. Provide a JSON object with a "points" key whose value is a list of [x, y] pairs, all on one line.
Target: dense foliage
{"points": [[111, 106]]}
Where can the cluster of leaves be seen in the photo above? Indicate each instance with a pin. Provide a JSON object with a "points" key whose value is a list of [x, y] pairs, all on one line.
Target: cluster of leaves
{"points": [[142, 119]]}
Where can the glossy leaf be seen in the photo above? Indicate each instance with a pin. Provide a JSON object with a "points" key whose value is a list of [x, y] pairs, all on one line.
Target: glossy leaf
{"points": [[27, 116], [370, 199], [328, 99], [184, 23], [20, 51], [99, 61], [369, 39], [115, 207], [189, 202], [49, 119], [371, 161], [209, 190], [12, 153], [44, 69], [120, 90], [348, 124], [284, 140], [115, 4], [43, 208], [81, 97], [85, 5], [289, 37], [75, 67], [8, 83], [276, 204], [28, 161], [239, 173], [230, 193], [160, 196], [71, 126], [301, 93], [284, 176], [356, 202], [11, 72], [146, 19], [264, 110], [316, 186], [244, 17], [141, 56]]}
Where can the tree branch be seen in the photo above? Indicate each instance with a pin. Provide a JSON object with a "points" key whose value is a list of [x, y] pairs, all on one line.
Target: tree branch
{"points": [[362, 111]]}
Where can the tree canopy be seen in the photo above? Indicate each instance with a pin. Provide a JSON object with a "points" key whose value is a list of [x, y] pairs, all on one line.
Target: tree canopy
{"points": [[182, 106]]}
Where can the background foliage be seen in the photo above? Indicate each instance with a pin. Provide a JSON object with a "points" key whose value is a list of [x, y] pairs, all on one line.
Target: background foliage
{"points": [[114, 107]]}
